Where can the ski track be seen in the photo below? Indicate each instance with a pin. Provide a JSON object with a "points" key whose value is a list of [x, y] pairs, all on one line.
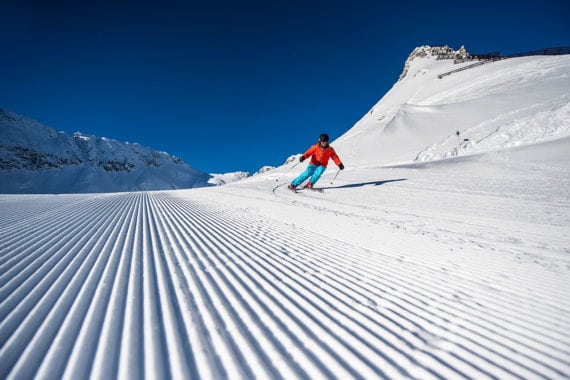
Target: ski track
{"points": [[153, 284]]}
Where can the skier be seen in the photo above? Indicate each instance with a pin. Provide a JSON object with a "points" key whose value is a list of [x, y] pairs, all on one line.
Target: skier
{"points": [[320, 154]]}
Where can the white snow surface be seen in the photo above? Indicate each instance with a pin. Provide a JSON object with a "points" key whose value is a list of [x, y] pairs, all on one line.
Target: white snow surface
{"points": [[427, 257]]}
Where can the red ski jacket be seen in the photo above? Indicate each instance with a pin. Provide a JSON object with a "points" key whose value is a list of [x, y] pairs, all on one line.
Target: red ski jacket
{"points": [[320, 156]]}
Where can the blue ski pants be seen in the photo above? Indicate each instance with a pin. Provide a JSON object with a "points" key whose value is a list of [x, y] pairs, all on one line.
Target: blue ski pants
{"points": [[313, 171]]}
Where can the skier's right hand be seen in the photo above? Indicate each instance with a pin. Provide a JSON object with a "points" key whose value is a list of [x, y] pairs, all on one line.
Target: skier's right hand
{"points": [[301, 159]]}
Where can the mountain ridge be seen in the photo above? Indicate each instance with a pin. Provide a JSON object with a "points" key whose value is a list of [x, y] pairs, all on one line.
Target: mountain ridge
{"points": [[423, 117], [35, 157]]}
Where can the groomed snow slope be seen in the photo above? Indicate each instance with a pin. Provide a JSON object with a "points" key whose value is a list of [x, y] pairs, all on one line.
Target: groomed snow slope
{"points": [[457, 268], [451, 270]]}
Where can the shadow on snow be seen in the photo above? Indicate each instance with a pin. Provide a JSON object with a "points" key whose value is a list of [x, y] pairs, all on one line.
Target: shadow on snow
{"points": [[373, 183]]}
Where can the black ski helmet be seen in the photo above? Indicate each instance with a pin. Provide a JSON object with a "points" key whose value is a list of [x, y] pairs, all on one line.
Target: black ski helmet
{"points": [[324, 137]]}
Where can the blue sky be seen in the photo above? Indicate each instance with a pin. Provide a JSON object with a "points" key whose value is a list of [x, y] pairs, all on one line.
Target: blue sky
{"points": [[235, 85]]}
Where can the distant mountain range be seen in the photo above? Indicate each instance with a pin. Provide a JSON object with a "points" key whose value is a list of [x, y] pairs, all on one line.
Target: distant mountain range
{"points": [[35, 158]]}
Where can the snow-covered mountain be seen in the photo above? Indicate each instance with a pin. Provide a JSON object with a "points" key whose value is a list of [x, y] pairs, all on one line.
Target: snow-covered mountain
{"points": [[225, 178], [452, 264], [36, 159], [499, 105]]}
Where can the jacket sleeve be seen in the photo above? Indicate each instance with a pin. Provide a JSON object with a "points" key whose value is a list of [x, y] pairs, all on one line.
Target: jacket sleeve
{"points": [[335, 158], [309, 152]]}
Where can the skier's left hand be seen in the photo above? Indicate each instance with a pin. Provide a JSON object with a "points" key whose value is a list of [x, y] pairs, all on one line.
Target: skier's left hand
{"points": [[341, 167]]}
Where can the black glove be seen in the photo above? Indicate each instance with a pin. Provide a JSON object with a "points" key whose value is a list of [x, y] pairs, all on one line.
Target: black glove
{"points": [[301, 159], [341, 167]]}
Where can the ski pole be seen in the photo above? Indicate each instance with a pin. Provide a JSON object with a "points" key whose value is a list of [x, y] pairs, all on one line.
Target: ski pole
{"points": [[336, 175]]}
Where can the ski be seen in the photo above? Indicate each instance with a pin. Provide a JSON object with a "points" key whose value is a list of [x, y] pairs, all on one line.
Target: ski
{"points": [[298, 189], [317, 190]]}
